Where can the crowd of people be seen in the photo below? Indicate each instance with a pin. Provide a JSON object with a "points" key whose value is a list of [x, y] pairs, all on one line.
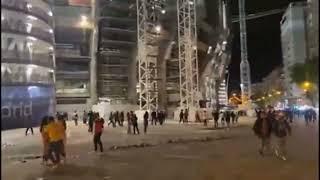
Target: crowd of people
{"points": [[272, 123], [269, 122]]}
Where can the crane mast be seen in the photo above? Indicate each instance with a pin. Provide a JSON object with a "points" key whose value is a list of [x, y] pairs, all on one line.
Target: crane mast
{"points": [[244, 65]]}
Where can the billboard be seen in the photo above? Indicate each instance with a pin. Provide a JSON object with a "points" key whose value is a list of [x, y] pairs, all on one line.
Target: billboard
{"points": [[19, 103]]}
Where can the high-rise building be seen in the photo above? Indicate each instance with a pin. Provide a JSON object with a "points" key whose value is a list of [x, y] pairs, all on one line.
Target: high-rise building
{"points": [[27, 63], [313, 28], [293, 41]]}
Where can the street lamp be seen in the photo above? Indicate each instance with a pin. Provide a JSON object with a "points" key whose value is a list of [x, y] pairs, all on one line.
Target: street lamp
{"points": [[158, 28], [278, 92]]}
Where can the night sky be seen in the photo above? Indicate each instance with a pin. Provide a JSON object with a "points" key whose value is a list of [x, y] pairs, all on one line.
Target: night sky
{"points": [[264, 44]]}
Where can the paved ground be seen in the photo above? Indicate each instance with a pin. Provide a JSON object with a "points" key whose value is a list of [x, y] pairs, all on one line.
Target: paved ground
{"points": [[209, 154]]}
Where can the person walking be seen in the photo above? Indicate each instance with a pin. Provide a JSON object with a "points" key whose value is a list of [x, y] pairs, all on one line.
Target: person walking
{"points": [[85, 117], [45, 140], [90, 121], [29, 125], [186, 115], [121, 118], [215, 115], [181, 116], [262, 129], [233, 117], [111, 120], [135, 123], [55, 146], [75, 118], [129, 117], [205, 118], [98, 129], [228, 117], [281, 130], [117, 118], [153, 117], [145, 121]]}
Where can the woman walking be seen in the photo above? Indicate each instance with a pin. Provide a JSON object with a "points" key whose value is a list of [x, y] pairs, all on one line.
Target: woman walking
{"points": [[45, 140]]}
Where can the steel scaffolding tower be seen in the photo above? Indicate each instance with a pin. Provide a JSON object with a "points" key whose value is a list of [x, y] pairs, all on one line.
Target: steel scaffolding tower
{"points": [[244, 65], [148, 29], [188, 59]]}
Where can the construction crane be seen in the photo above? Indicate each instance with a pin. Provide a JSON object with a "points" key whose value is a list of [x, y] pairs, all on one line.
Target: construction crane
{"points": [[188, 59], [244, 64], [148, 29], [260, 14]]}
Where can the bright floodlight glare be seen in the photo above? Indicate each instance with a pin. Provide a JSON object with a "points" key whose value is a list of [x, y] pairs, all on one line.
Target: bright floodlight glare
{"points": [[29, 6], [50, 13], [32, 17], [224, 42], [2, 17], [84, 18], [32, 38], [163, 11], [50, 31], [191, 2], [158, 28]]}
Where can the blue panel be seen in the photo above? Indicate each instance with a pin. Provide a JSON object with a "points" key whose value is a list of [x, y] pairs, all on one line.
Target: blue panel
{"points": [[19, 102]]}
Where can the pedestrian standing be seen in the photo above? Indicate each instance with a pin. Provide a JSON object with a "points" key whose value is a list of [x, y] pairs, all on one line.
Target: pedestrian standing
{"points": [[129, 117], [98, 129], [135, 124], [75, 118], [262, 128], [85, 117], [181, 116], [29, 124], [281, 130], [145, 121]]}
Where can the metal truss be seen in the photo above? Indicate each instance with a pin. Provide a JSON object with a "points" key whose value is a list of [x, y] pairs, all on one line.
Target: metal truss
{"points": [[148, 29], [188, 59], [244, 65]]}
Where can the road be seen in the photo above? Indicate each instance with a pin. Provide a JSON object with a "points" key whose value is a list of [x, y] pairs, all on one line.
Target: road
{"points": [[206, 154]]}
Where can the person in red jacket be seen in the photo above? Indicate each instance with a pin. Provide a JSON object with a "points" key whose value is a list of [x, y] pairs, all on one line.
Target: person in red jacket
{"points": [[98, 129]]}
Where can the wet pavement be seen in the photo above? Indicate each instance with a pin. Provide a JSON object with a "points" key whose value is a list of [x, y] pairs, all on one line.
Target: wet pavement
{"points": [[171, 152]]}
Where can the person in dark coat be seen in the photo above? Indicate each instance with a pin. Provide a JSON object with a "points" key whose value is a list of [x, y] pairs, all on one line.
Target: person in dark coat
{"points": [[145, 121], [129, 119], [186, 115], [154, 118], [111, 120], [90, 121], [262, 129], [281, 129], [121, 118], [135, 123], [215, 115], [228, 117], [233, 117], [117, 118], [181, 116]]}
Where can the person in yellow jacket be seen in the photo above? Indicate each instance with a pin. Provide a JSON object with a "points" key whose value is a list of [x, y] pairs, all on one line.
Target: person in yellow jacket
{"points": [[55, 140]]}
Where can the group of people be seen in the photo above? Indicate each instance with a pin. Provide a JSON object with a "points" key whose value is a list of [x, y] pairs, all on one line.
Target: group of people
{"points": [[226, 118], [53, 132], [183, 116], [270, 122]]}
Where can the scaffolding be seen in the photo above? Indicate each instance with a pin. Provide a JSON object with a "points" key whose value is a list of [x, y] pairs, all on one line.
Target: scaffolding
{"points": [[188, 59], [244, 64], [148, 29]]}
